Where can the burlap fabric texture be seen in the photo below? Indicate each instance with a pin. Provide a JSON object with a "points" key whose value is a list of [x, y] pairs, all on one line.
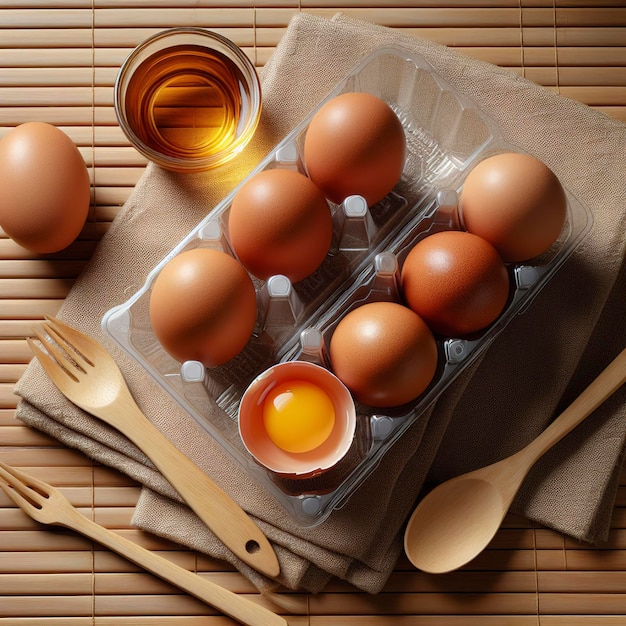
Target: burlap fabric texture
{"points": [[540, 363]]}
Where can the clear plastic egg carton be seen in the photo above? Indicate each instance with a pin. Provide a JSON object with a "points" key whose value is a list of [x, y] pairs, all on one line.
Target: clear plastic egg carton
{"points": [[446, 136]]}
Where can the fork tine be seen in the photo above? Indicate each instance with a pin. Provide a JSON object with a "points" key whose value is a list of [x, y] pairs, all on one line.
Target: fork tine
{"points": [[65, 357], [23, 489], [84, 345], [57, 372], [77, 354], [15, 497]]}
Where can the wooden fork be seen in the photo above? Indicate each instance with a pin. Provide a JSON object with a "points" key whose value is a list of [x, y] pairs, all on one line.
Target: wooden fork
{"points": [[47, 505], [89, 377]]}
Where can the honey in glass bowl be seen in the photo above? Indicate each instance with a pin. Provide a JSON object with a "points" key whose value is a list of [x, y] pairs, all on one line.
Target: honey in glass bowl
{"points": [[188, 99]]}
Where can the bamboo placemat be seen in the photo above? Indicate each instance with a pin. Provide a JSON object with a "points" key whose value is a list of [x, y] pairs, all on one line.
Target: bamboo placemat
{"points": [[58, 62]]}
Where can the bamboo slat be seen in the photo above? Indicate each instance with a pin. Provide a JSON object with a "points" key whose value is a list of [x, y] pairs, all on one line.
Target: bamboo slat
{"points": [[58, 63]]}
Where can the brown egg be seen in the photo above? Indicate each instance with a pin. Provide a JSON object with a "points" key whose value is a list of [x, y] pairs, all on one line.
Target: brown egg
{"points": [[203, 307], [280, 223], [456, 282], [384, 353], [355, 145], [515, 202], [45, 187]]}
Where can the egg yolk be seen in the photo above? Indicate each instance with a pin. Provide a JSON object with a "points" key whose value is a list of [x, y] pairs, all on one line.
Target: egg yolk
{"points": [[298, 416]]}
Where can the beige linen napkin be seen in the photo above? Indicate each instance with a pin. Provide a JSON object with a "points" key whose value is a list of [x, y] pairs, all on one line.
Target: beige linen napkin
{"points": [[541, 362]]}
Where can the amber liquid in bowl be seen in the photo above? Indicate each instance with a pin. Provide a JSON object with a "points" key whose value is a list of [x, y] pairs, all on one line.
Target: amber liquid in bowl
{"points": [[187, 102]]}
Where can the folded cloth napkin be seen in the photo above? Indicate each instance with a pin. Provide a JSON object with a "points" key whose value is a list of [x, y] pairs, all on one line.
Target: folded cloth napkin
{"points": [[534, 368]]}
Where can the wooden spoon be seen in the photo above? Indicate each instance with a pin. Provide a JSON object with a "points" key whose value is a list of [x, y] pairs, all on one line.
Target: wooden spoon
{"points": [[457, 520]]}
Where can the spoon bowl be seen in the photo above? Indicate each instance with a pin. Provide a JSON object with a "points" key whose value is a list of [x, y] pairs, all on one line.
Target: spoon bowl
{"points": [[484, 503], [458, 519]]}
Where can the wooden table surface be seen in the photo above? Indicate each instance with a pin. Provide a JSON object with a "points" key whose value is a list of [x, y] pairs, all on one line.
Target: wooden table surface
{"points": [[58, 62]]}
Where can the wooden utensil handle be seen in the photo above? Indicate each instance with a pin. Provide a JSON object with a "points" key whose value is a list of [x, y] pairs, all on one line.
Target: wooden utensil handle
{"points": [[606, 383], [225, 518], [237, 607]]}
